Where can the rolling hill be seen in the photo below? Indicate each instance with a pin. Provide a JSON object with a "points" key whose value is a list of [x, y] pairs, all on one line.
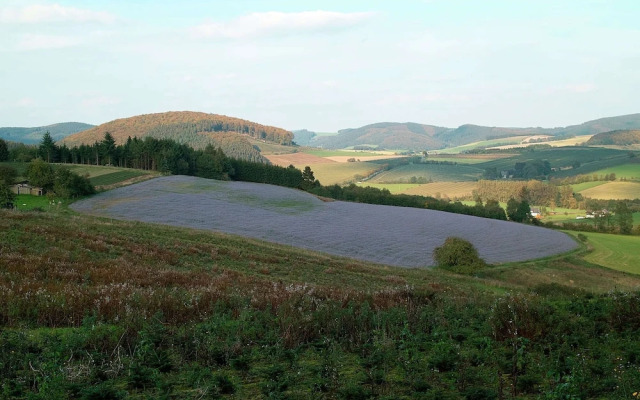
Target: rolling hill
{"points": [[193, 128], [418, 137], [616, 138], [34, 135]]}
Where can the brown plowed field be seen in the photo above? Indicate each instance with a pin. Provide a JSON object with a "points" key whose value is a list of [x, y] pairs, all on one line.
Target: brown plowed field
{"points": [[284, 160]]}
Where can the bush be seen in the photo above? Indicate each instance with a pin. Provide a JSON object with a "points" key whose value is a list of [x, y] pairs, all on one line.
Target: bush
{"points": [[458, 255]]}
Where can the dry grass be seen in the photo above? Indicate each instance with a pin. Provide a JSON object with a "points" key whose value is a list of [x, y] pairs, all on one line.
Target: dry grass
{"points": [[444, 189], [298, 160], [614, 191]]}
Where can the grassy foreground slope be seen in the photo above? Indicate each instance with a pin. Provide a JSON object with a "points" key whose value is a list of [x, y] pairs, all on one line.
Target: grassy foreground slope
{"points": [[94, 308]]}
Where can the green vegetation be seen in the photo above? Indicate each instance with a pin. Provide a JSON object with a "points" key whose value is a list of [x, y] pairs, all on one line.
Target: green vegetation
{"points": [[459, 256], [579, 187], [394, 188], [630, 171], [614, 251], [115, 177], [27, 202], [616, 138], [436, 172], [94, 308]]}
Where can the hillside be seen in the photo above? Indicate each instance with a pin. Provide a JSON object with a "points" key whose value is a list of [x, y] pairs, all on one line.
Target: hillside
{"points": [[248, 209], [34, 135], [418, 137], [616, 138], [385, 135], [194, 128]]}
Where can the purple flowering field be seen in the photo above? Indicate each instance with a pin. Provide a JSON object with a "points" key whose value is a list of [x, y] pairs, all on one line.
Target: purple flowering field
{"points": [[382, 234]]}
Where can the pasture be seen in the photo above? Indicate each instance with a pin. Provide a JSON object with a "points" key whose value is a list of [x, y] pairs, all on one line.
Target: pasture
{"points": [[342, 173], [430, 172], [27, 202], [614, 191], [579, 187], [482, 144], [630, 171], [617, 252]]}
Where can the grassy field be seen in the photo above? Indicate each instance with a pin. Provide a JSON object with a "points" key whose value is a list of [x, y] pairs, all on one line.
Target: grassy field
{"points": [[443, 189], [341, 173], [629, 171], [98, 308], [112, 178], [483, 144], [614, 251], [394, 188], [579, 187], [614, 191], [28, 202], [434, 172], [336, 153]]}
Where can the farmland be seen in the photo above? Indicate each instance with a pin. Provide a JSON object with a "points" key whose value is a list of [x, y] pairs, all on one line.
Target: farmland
{"points": [[189, 313], [341, 173], [246, 209], [614, 190], [614, 251], [430, 172], [629, 171]]}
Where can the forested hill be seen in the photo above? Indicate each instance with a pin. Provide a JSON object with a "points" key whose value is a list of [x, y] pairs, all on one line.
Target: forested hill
{"points": [[413, 136], [387, 135], [195, 129], [617, 138], [34, 135]]}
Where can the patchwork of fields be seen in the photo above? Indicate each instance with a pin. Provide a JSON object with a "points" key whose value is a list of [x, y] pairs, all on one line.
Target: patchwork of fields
{"points": [[381, 234]]}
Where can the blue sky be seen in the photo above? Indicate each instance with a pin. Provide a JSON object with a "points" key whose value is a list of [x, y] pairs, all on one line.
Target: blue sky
{"points": [[321, 65]]}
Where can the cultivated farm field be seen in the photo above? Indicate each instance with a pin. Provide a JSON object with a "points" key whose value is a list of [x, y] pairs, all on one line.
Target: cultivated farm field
{"points": [[614, 191], [617, 252], [382, 234], [429, 171], [449, 189]]}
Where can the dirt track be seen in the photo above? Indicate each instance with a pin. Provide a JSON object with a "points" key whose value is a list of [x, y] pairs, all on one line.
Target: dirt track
{"points": [[383, 234]]}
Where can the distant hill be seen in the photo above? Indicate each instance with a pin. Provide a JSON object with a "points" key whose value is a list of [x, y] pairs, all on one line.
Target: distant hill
{"points": [[616, 138], [303, 137], [385, 135], [413, 136], [34, 135], [193, 128]]}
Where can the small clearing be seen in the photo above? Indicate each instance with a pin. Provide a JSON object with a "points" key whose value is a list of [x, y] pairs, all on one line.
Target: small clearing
{"points": [[381, 234]]}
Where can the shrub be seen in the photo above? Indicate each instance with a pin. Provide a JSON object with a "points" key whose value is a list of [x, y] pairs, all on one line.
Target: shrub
{"points": [[458, 255]]}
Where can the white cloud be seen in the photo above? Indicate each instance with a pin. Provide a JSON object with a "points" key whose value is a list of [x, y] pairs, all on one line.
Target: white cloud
{"points": [[273, 22], [581, 88], [25, 102], [52, 13], [40, 42]]}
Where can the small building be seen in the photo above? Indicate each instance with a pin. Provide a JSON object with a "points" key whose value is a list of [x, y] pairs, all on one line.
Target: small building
{"points": [[25, 188], [535, 212]]}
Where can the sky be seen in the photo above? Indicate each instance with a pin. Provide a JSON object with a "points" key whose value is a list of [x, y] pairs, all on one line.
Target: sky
{"points": [[321, 65]]}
